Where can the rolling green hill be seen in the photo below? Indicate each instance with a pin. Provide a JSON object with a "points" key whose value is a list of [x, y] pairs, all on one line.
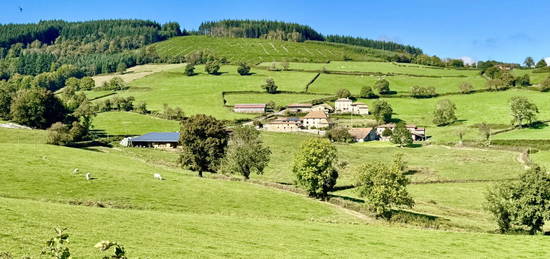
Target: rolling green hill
{"points": [[261, 50]]}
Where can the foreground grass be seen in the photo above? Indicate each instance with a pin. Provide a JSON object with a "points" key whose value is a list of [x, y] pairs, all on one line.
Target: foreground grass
{"points": [[26, 224]]}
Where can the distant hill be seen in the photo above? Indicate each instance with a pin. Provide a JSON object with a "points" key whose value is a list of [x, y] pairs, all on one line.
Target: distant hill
{"points": [[277, 30], [263, 50]]}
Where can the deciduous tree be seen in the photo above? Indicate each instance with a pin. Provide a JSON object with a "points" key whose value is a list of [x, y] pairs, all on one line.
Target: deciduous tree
{"points": [[382, 111], [401, 135], [243, 69], [314, 167], [246, 153], [203, 140], [343, 93], [523, 111], [367, 92], [37, 108], [382, 86], [270, 86], [444, 113], [529, 62]]}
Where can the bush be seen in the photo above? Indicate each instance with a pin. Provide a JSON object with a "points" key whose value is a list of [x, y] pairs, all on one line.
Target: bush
{"points": [[243, 69], [340, 135], [382, 111], [212, 67], [465, 88], [270, 86], [189, 70], [116, 83], [343, 93], [37, 108], [58, 134], [545, 85], [367, 92], [382, 86], [423, 92], [444, 113], [496, 85]]}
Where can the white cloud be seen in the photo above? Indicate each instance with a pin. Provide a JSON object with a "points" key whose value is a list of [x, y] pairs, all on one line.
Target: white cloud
{"points": [[547, 59], [467, 60]]}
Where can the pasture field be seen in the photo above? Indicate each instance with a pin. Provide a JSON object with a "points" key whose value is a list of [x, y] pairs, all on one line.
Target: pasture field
{"points": [[525, 133], [262, 50], [130, 123], [536, 78], [471, 109], [136, 72], [380, 67], [192, 235], [202, 93], [22, 136], [329, 83], [279, 99]]}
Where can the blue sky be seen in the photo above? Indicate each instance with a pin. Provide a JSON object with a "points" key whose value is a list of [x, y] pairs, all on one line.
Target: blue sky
{"points": [[503, 30]]}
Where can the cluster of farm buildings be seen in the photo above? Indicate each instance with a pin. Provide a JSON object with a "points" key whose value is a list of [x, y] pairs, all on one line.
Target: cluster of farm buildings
{"points": [[316, 120]]}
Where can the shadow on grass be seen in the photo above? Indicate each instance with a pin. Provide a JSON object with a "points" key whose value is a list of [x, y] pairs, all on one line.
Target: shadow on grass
{"points": [[347, 198], [538, 125], [343, 187]]}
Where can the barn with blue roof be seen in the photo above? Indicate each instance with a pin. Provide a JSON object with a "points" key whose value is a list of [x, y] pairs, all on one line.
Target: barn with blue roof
{"points": [[157, 140]]}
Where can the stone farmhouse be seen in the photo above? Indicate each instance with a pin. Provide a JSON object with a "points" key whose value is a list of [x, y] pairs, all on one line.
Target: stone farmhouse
{"points": [[417, 133], [345, 105], [250, 108], [316, 120], [284, 125]]}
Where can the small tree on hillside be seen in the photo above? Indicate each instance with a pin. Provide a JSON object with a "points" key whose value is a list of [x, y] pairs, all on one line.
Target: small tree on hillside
{"points": [[541, 64], [270, 86], [56, 247], [37, 108], [444, 113], [243, 69], [203, 140], [314, 167], [523, 111], [246, 153], [529, 62], [367, 92], [189, 69], [401, 135], [545, 85], [382, 86], [383, 186], [522, 204], [382, 111], [485, 131], [87, 83], [121, 67], [465, 88], [343, 93], [212, 67], [523, 80]]}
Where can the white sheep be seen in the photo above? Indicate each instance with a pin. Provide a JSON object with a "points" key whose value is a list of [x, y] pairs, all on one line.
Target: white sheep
{"points": [[75, 171], [158, 177], [88, 176]]}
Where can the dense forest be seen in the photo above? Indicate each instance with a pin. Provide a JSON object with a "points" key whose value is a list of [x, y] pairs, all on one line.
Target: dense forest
{"points": [[375, 44], [94, 46]]}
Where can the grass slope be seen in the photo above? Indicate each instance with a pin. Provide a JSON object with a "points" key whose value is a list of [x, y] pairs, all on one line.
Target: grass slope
{"points": [[261, 50], [130, 123]]}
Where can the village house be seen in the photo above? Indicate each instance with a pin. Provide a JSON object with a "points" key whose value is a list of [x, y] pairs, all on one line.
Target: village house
{"points": [[250, 108], [299, 107], [363, 134], [345, 105], [284, 125], [416, 132], [323, 107], [156, 140], [316, 119]]}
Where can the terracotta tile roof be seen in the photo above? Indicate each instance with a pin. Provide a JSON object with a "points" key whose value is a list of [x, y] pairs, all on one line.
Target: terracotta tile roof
{"points": [[300, 105], [316, 115]]}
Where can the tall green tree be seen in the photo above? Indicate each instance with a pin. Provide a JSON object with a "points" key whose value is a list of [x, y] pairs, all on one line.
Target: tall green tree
{"points": [[189, 69], [212, 67], [382, 111], [383, 186], [314, 167], [523, 111], [246, 153], [444, 113], [367, 92], [401, 135], [243, 69], [343, 93], [203, 140], [529, 62], [37, 108]]}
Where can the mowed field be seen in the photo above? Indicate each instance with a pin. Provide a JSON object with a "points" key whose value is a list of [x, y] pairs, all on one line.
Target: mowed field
{"points": [[185, 216], [261, 50]]}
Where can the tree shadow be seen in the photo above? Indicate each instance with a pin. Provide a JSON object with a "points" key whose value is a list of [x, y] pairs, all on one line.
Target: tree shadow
{"points": [[538, 125], [347, 198], [342, 187]]}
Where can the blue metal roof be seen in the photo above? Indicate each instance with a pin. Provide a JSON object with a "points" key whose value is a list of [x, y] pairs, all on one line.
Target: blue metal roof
{"points": [[158, 137]]}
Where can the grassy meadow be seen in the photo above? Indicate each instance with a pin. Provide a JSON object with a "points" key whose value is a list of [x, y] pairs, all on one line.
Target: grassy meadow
{"points": [[262, 50], [130, 123]]}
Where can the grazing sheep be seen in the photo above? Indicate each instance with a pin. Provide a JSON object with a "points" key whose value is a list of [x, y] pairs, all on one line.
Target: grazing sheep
{"points": [[158, 177], [75, 171], [88, 176]]}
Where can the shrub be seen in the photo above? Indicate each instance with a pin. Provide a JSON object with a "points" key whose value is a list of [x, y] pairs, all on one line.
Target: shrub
{"points": [[367, 92], [340, 135], [343, 93], [246, 153], [401, 135], [270, 86], [56, 247], [545, 85], [465, 88], [382, 86], [444, 113], [423, 92], [212, 67], [58, 134], [243, 69], [382, 111], [189, 69]]}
